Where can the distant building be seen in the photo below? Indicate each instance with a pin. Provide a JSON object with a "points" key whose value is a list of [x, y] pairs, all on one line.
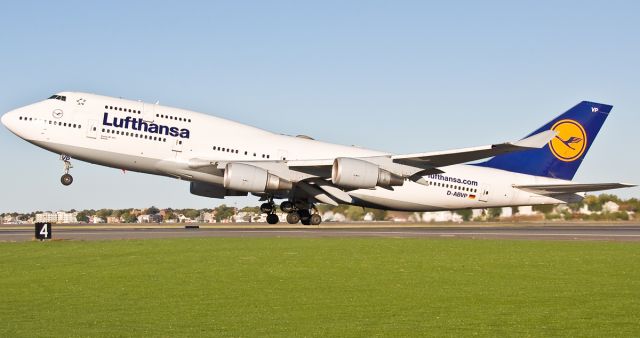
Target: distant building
{"points": [[478, 213], [156, 218], [113, 220], [57, 217], [610, 207], [401, 216], [526, 210], [441, 216], [330, 216], [507, 212], [369, 217], [207, 217], [47, 217], [8, 219], [585, 210]]}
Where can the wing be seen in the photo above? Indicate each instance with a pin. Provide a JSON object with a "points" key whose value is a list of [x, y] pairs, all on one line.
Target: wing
{"points": [[457, 156], [555, 189]]}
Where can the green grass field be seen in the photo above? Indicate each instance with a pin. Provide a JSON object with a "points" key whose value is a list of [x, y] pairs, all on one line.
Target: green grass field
{"points": [[319, 287]]}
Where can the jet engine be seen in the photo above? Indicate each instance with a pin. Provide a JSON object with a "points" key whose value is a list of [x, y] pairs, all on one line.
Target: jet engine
{"points": [[245, 177], [213, 190], [358, 174]]}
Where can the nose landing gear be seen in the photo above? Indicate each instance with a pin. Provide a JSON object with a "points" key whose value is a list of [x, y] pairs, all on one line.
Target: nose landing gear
{"points": [[66, 179]]}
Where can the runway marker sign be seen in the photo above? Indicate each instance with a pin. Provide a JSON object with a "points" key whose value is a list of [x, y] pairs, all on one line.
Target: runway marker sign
{"points": [[43, 231]]}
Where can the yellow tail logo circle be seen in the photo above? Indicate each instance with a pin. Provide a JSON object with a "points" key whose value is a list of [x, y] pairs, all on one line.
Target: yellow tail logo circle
{"points": [[570, 142]]}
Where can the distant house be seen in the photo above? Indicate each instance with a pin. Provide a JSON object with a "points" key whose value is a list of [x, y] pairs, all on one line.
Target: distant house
{"points": [[585, 210], [506, 212], [330, 216], [113, 220], [401, 216], [207, 217], [441, 216], [526, 210], [478, 213], [8, 219], [610, 207], [155, 218]]}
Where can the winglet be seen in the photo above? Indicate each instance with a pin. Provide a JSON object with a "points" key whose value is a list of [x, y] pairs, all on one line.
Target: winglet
{"points": [[538, 140]]}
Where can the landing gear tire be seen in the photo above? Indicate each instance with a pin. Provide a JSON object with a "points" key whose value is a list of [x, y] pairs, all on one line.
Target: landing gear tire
{"points": [[305, 217], [66, 179], [293, 218], [267, 208], [273, 219], [287, 207], [315, 219]]}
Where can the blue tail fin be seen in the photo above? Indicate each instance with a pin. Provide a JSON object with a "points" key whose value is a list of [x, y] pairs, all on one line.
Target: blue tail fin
{"points": [[560, 158]]}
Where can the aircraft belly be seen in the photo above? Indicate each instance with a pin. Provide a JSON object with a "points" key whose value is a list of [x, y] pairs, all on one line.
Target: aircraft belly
{"points": [[410, 197], [103, 157]]}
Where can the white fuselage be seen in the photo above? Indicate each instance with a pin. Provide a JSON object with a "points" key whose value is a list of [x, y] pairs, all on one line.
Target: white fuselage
{"points": [[161, 140]]}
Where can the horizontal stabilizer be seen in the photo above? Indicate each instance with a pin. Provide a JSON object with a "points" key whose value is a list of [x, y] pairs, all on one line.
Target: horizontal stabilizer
{"points": [[554, 189], [457, 156]]}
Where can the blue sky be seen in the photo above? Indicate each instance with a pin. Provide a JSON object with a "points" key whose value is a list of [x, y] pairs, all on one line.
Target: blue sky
{"points": [[401, 76]]}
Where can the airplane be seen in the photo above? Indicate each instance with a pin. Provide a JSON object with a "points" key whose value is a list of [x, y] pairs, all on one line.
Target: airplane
{"points": [[223, 158]]}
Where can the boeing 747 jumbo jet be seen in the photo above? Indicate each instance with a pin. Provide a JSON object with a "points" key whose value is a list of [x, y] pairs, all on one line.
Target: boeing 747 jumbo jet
{"points": [[224, 158]]}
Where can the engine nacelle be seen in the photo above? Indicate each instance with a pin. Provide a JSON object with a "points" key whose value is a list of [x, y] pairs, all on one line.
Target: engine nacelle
{"points": [[213, 190], [359, 174], [245, 177]]}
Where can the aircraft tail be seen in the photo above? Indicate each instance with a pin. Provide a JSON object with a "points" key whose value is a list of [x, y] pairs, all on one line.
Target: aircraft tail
{"points": [[576, 130]]}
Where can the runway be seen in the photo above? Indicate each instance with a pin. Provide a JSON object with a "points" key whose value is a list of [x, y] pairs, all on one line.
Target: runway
{"points": [[583, 232]]}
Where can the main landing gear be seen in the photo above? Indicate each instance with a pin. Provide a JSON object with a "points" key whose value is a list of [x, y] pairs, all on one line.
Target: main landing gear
{"points": [[295, 213], [269, 208], [66, 179]]}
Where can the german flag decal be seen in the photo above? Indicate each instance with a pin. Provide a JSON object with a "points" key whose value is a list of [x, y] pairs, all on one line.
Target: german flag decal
{"points": [[472, 196]]}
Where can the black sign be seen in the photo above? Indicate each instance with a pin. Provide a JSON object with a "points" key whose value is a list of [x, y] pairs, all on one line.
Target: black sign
{"points": [[43, 231]]}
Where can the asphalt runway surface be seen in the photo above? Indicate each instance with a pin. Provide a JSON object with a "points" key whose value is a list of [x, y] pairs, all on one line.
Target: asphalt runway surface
{"points": [[583, 232]]}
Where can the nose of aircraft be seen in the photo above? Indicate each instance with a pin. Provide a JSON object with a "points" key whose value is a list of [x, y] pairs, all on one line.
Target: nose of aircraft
{"points": [[8, 120], [5, 119]]}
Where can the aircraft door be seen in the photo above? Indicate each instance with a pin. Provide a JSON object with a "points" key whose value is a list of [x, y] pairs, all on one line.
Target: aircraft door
{"points": [[149, 112], [177, 146], [92, 129], [282, 155], [45, 127], [483, 193]]}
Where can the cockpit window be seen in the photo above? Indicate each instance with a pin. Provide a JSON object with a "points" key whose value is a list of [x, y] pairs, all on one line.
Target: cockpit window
{"points": [[57, 97]]}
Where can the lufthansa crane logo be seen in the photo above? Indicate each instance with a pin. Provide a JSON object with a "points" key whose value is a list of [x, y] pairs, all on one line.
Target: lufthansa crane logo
{"points": [[570, 141]]}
